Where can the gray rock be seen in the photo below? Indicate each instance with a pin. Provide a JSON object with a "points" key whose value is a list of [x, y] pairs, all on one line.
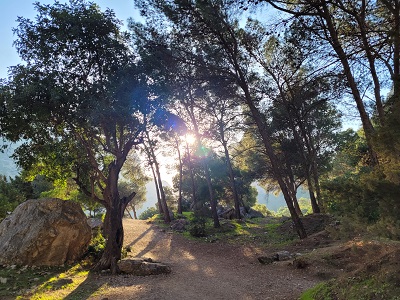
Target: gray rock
{"points": [[242, 212], [227, 214], [266, 260], [95, 223], [284, 255], [252, 213], [44, 232], [179, 225], [142, 267]]}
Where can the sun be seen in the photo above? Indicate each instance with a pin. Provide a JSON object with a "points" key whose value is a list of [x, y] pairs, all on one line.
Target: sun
{"points": [[190, 138]]}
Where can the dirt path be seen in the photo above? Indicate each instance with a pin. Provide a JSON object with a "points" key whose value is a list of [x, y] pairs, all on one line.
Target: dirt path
{"points": [[201, 271]]}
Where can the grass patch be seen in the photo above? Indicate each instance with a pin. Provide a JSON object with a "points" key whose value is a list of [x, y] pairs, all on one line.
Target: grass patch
{"points": [[353, 289], [19, 280], [46, 283], [320, 289], [264, 232]]}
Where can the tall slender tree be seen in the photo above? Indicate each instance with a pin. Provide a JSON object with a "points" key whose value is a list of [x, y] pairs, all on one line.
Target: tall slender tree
{"points": [[216, 47]]}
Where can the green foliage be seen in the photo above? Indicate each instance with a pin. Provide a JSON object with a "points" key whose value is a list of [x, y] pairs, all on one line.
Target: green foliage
{"points": [[21, 279], [148, 213], [353, 288], [198, 226], [305, 206], [133, 180], [360, 193], [368, 197], [320, 291], [263, 209], [41, 184], [220, 182], [12, 193], [97, 245]]}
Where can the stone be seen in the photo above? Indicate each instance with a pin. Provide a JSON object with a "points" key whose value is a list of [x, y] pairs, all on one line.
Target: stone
{"points": [[44, 232], [142, 267], [252, 213], [242, 212], [227, 214], [95, 223], [284, 255], [179, 225], [266, 260], [3, 280]]}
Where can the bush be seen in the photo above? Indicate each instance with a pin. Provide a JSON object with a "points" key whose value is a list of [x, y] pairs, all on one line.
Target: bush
{"points": [[148, 213], [198, 225], [97, 245], [262, 208], [368, 198]]}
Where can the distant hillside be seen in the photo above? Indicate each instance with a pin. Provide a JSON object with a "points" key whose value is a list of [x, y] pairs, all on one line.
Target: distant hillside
{"points": [[269, 199], [9, 169], [274, 202], [7, 164]]}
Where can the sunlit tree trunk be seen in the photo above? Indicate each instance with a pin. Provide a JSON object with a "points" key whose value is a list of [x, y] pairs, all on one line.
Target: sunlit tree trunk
{"points": [[192, 181], [160, 207], [213, 201], [180, 178]]}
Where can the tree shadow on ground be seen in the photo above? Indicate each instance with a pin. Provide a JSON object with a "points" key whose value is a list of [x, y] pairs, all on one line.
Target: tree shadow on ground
{"points": [[85, 289]]}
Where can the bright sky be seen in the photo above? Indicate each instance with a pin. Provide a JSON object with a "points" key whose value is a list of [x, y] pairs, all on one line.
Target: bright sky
{"points": [[11, 9]]}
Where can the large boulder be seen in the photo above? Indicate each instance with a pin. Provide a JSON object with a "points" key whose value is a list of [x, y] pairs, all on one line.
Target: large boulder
{"points": [[44, 232]]}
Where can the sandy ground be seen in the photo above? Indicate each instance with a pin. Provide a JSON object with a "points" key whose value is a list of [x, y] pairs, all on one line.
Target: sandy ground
{"points": [[201, 270]]}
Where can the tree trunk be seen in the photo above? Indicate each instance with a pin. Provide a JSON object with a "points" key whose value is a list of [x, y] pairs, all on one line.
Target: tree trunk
{"points": [[297, 207], [180, 179], [157, 178], [193, 183], [232, 180], [365, 120], [164, 205], [160, 207], [213, 201], [113, 229], [313, 200], [258, 118], [132, 217], [114, 241], [134, 212]]}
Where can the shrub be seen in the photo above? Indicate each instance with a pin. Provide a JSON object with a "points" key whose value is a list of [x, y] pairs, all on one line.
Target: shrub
{"points": [[97, 245], [148, 213], [262, 208], [198, 226]]}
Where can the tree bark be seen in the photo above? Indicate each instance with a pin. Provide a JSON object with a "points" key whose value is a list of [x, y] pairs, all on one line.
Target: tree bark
{"points": [[232, 180], [213, 201], [274, 163], [164, 205], [113, 229], [193, 183], [160, 207], [180, 179], [337, 46], [134, 212]]}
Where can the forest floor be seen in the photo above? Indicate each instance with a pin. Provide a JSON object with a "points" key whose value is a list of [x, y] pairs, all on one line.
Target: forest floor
{"points": [[226, 266], [203, 269]]}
